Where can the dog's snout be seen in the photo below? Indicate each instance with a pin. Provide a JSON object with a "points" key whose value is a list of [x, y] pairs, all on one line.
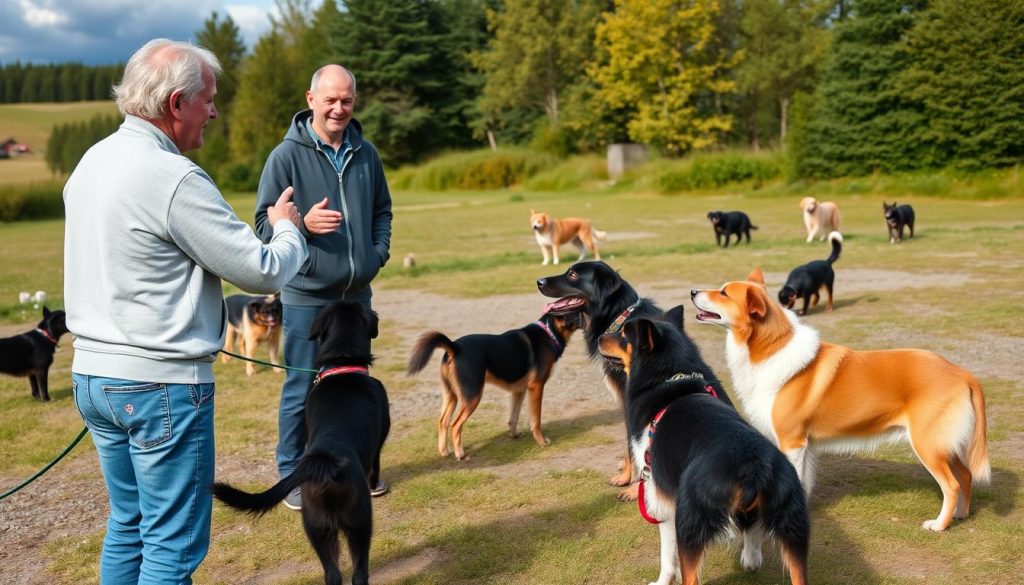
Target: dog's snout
{"points": [[693, 293], [541, 282]]}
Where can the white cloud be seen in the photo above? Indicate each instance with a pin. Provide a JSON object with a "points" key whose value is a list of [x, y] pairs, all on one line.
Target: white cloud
{"points": [[39, 16], [252, 20]]}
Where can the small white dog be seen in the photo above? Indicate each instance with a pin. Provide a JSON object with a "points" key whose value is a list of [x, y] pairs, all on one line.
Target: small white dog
{"points": [[820, 219]]}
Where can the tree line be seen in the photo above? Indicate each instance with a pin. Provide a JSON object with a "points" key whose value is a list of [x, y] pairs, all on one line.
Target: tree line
{"points": [[847, 87], [65, 82]]}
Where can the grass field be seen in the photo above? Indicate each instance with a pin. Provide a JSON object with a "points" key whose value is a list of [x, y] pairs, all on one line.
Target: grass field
{"points": [[518, 513], [32, 124]]}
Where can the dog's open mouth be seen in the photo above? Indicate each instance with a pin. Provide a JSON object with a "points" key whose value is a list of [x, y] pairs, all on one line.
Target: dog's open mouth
{"points": [[703, 315], [565, 305]]}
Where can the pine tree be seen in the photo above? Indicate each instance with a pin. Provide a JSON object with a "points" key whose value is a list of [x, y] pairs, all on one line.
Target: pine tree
{"points": [[967, 73], [861, 121], [394, 48], [223, 39]]}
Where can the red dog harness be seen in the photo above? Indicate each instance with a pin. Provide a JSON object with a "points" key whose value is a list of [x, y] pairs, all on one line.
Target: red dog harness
{"points": [[340, 370], [645, 473]]}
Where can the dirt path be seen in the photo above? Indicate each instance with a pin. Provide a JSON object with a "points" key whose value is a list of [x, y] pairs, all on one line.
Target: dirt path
{"points": [[70, 500]]}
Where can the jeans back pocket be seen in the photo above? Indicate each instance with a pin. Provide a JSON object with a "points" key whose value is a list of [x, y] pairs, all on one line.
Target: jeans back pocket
{"points": [[143, 410]]}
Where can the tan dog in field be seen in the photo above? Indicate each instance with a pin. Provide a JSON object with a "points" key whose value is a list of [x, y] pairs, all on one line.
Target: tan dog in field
{"points": [[820, 219], [808, 395], [552, 233]]}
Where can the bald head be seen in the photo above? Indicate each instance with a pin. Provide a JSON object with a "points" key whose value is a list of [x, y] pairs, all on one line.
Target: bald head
{"points": [[333, 73]]}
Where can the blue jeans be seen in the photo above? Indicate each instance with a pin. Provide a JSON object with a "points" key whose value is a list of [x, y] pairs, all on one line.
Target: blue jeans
{"points": [[155, 446], [300, 352]]}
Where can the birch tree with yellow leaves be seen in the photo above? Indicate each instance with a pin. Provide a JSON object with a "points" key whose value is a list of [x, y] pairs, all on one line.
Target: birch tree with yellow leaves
{"points": [[657, 58]]}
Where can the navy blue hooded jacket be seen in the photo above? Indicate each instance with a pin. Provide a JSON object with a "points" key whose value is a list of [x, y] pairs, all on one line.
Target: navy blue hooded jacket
{"points": [[341, 264]]}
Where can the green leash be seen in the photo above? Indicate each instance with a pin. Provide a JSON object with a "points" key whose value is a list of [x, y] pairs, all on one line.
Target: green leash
{"points": [[48, 465], [85, 430]]}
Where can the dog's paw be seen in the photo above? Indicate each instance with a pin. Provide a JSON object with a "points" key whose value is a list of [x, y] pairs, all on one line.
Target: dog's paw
{"points": [[542, 441], [462, 457], [933, 525], [278, 371], [514, 434], [629, 494], [545, 263], [619, 480]]}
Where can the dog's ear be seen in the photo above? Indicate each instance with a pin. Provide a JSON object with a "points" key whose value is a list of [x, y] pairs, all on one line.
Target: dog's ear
{"points": [[608, 280], [319, 327], [647, 336], [756, 276], [757, 307], [533, 211], [46, 312], [675, 316], [372, 323]]}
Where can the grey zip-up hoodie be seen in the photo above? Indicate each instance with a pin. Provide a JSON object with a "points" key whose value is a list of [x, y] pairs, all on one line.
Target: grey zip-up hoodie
{"points": [[341, 264], [147, 239]]}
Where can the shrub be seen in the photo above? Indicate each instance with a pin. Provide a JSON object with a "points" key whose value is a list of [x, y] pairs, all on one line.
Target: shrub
{"points": [[475, 170], [32, 201], [570, 174], [708, 171]]}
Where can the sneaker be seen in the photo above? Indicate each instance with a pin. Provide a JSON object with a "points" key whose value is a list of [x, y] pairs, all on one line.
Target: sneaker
{"points": [[294, 499], [380, 489]]}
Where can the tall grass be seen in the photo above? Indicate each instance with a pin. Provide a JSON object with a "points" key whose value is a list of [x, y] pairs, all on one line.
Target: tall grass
{"points": [[475, 170], [43, 200]]}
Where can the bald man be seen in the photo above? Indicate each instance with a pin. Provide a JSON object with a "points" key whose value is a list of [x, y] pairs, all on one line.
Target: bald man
{"points": [[343, 197]]}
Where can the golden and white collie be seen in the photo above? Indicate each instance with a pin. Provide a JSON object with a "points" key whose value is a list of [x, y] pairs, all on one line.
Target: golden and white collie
{"points": [[808, 395], [552, 233], [820, 219]]}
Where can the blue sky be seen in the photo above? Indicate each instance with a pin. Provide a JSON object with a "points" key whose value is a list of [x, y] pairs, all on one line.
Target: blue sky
{"points": [[108, 31]]}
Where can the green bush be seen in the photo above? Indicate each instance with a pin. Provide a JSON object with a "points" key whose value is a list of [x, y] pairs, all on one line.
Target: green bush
{"points": [[570, 174], [475, 170], [708, 171], [32, 201]]}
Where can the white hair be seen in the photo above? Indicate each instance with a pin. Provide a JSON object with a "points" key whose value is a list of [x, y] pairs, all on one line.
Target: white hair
{"points": [[157, 70], [316, 78]]}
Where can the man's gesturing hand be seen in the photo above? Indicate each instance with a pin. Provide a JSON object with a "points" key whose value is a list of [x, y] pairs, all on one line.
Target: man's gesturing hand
{"points": [[321, 220], [284, 209]]}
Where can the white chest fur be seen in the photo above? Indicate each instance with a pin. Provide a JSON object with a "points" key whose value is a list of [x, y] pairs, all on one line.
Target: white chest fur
{"points": [[662, 508], [543, 237], [756, 385]]}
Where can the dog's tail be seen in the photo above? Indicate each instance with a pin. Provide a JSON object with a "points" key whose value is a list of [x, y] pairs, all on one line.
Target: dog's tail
{"points": [[753, 227], [837, 246], [424, 348], [315, 467], [977, 454], [599, 234]]}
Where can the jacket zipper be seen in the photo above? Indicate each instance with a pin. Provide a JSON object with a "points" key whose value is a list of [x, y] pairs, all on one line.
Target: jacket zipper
{"points": [[344, 214]]}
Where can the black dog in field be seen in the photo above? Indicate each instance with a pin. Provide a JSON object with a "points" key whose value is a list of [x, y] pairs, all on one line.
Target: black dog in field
{"points": [[896, 217], [703, 468], [520, 360], [31, 354], [347, 422], [606, 301], [806, 281], [729, 223], [253, 320]]}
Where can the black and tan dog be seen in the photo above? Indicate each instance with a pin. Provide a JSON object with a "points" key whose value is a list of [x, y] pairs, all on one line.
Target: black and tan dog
{"points": [[606, 301], [31, 354], [253, 320], [347, 422], [896, 218], [730, 223], [806, 281], [519, 360], [703, 468]]}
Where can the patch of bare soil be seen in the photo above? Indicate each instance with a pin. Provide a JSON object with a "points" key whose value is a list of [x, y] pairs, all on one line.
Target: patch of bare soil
{"points": [[71, 500]]}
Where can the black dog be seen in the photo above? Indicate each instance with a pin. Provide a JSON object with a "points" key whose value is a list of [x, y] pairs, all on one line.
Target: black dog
{"points": [[896, 217], [607, 301], [806, 281], [703, 468], [347, 422], [727, 223], [253, 320], [31, 354], [519, 360]]}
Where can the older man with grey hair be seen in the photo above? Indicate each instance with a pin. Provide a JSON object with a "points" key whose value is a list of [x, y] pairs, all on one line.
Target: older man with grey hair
{"points": [[148, 239]]}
